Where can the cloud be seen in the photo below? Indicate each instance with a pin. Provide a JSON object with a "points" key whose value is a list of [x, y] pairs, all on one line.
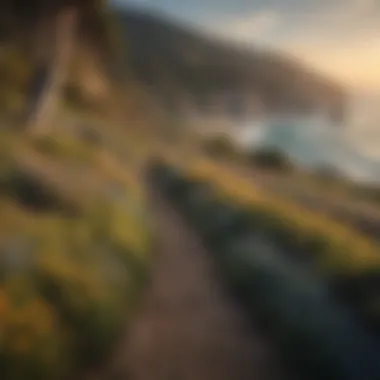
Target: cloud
{"points": [[253, 28], [343, 20], [356, 63], [344, 42], [255, 25]]}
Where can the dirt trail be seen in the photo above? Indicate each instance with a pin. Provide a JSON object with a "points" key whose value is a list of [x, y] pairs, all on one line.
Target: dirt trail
{"points": [[187, 327]]}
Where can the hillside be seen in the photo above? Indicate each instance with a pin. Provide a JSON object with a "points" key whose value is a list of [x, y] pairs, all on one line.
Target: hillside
{"points": [[192, 69]]}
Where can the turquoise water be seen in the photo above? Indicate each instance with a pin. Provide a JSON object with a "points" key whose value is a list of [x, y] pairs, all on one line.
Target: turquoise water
{"points": [[354, 147]]}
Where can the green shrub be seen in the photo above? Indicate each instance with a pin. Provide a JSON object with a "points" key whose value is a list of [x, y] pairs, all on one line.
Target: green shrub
{"points": [[63, 147], [32, 344], [221, 147], [271, 159], [28, 190]]}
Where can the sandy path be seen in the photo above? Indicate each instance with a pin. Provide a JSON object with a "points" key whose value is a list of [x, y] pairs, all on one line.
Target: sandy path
{"points": [[187, 327]]}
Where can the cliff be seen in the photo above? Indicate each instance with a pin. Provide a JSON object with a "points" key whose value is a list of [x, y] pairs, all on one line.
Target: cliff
{"points": [[183, 68]]}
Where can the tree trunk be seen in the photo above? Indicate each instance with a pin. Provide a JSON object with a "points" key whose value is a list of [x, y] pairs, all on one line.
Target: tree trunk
{"points": [[5, 20], [51, 71]]}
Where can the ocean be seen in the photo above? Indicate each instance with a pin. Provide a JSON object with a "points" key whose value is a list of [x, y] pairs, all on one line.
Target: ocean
{"points": [[353, 147]]}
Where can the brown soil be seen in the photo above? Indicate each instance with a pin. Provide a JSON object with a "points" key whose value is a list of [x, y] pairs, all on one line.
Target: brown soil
{"points": [[188, 327]]}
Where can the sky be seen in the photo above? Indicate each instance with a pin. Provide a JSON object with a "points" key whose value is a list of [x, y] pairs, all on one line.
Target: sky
{"points": [[340, 38]]}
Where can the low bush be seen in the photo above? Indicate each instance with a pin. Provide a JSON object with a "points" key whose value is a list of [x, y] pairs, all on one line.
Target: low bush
{"points": [[28, 190], [68, 292], [64, 147], [271, 159], [32, 342], [221, 147]]}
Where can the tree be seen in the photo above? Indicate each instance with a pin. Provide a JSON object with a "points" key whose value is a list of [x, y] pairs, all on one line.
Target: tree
{"points": [[51, 72], [57, 24]]}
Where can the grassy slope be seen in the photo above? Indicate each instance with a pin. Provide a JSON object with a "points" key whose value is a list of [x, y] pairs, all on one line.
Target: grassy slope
{"points": [[75, 238], [67, 198]]}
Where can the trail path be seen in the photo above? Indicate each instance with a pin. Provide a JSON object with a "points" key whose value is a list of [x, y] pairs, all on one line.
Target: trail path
{"points": [[188, 327]]}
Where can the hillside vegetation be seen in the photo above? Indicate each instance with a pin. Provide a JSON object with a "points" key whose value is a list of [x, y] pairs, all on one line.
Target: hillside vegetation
{"points": [[184, 68], [75, 236]]}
